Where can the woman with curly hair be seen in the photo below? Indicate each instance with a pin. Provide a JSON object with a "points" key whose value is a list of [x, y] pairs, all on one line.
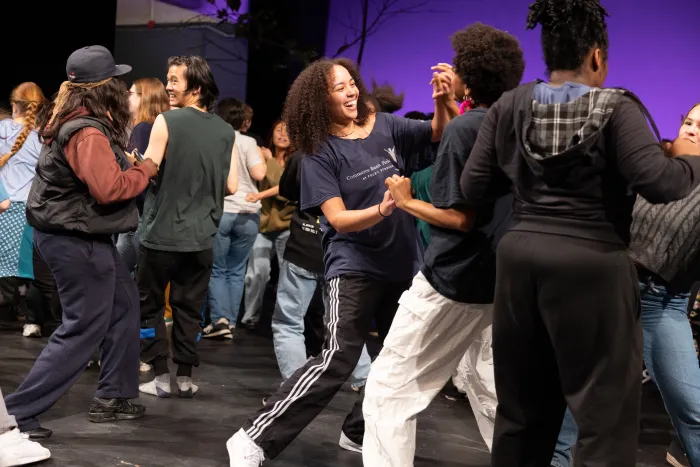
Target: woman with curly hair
{"points": [[371, 252], [19, 153], [566, 322], [448, 307]]}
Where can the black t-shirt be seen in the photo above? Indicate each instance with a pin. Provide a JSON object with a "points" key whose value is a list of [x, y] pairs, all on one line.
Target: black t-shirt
{"points": [[303, 247], [462, 266]]}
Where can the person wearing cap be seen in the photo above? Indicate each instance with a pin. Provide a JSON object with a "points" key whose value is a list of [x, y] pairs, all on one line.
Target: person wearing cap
{"points": [[82, 195], [180, 219]]}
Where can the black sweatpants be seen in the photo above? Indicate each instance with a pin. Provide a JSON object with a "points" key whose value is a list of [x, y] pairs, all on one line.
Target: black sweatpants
{"points": [[566, 330], [43, 302], [188, 274], [100, 309], [354, 301]]}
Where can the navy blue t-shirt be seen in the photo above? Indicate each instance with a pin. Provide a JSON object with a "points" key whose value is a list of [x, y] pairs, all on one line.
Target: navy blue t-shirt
{"points": [[354, 170], [140, 137], [462, 266]]}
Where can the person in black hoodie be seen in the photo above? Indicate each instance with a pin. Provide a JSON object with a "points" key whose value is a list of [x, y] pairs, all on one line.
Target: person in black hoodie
{"points": [[566, 326]]}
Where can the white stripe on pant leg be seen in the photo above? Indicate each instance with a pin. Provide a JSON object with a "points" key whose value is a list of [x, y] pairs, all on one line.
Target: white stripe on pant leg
{"points": [[312, 374], [301, 389]]}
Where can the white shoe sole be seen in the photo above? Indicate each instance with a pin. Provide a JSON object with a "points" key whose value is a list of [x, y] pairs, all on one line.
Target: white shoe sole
{"points": [[223, 333], [28, 460], [347, 444]]}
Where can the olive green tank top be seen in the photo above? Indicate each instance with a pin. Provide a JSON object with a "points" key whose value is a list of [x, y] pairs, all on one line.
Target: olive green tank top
{"points": [[183, 208]]}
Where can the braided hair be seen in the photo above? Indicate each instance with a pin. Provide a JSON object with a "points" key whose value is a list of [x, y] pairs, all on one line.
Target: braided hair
{"points": [[570, 29], [27, 98]]}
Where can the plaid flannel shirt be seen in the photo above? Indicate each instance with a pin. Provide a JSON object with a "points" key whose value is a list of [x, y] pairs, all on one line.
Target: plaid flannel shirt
{"points": [[556, 128]]}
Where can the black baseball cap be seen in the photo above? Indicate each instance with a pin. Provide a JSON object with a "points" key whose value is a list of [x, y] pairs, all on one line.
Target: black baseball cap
{"points": [[91, 64]]}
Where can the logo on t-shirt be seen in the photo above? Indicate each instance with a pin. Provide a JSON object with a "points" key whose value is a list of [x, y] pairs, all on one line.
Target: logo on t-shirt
{"points": [[391, 152]]}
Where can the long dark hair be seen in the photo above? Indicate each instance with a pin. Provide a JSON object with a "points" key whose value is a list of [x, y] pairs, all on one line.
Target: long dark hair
{"points": [[109, 99], [307, 109], [271, 140]]}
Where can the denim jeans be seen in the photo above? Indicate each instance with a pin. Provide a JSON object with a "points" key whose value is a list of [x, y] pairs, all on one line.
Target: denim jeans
{"points": [[128, 247], [232, 246], [295, 290], [567, 439], [669, 354], [266, 246]]}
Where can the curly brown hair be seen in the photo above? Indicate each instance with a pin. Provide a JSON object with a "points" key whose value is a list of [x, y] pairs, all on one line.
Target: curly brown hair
{"points": [[307, 108], [488, 61]]}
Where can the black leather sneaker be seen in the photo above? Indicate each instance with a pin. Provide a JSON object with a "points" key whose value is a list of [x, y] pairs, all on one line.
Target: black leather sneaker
{"points": [[39, 433], [109, 410]]}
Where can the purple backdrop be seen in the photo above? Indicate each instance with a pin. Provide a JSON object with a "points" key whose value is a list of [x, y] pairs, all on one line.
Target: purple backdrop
{"points": [[204, 7], [653, 48]]}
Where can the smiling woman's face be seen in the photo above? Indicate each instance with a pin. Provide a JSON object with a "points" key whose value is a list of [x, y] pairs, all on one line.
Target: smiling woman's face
{"points": [[690, 128], [344, 96]]}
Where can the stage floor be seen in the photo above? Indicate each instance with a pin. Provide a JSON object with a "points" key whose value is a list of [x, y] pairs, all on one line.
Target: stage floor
{"points": [[233, 378]]}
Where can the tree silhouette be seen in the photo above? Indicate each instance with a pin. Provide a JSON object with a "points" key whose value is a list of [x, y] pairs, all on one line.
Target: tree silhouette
{"points": [[374, 15], [261, 29]]}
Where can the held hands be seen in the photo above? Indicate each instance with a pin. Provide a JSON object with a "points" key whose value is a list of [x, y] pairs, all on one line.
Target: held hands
{"points": [[387, 206], [683, 147], [252, 197], [400, 190], [443, 77]]}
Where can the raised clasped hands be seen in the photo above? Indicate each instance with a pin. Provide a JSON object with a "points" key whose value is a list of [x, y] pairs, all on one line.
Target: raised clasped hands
{"points": [[443, 77]]}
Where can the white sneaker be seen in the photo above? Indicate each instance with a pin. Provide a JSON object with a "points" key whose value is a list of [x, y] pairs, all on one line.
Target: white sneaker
{"points": [[16, 449], [31, 330], [243, 452], [159, 387], [186, 388], [348, 444]]}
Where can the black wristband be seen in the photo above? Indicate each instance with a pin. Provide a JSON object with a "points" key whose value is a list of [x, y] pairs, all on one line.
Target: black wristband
{"points": [[379, 208]]}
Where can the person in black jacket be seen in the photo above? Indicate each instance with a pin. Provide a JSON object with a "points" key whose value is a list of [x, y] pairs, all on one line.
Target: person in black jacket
{"points": [[82, 195], [300, 275], [566, 326]]}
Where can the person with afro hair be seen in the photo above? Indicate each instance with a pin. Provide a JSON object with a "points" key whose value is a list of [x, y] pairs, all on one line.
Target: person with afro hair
{"points": [[448, 307], [371, 249], [566, 319]]}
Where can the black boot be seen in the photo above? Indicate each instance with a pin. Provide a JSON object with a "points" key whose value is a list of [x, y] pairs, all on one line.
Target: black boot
{"points": [[109, 410]]}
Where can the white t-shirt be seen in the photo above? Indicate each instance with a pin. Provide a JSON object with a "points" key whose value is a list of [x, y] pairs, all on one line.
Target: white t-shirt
{"points": [[248, 156]]}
